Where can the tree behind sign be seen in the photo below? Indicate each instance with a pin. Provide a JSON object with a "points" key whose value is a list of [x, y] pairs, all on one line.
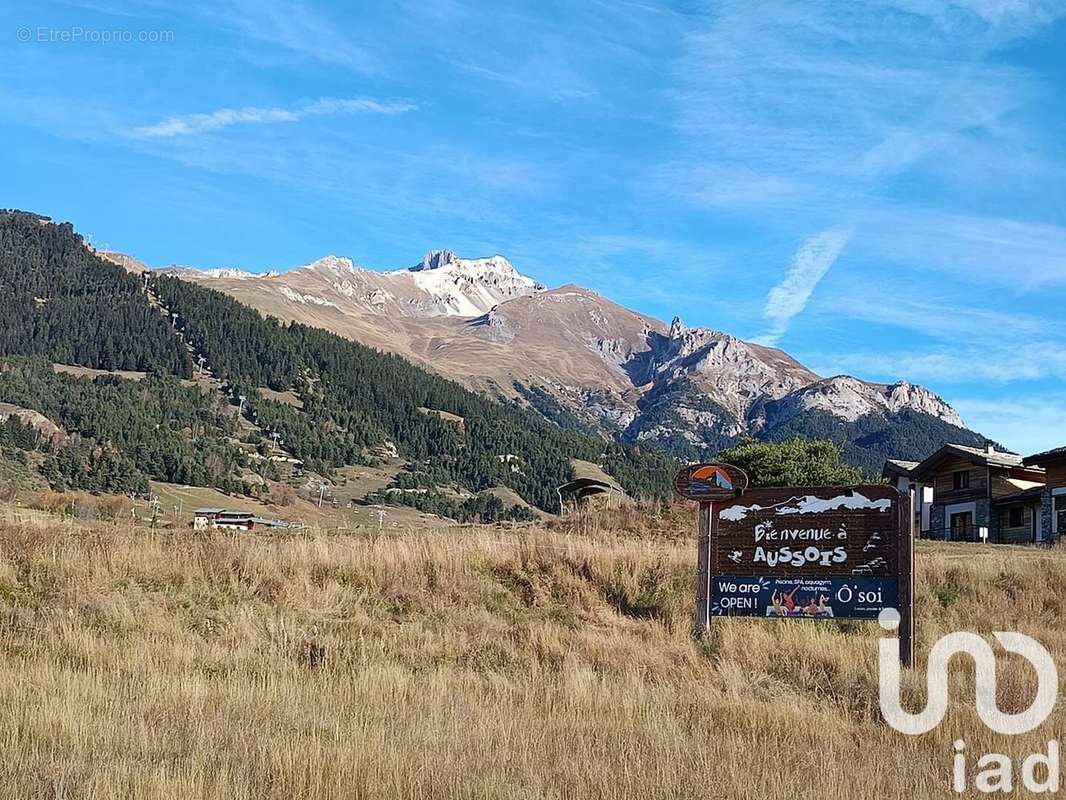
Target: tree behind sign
{"points": [[797, 462]]}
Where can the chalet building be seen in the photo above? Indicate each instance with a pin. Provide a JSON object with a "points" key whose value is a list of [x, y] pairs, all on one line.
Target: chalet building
{"points": [[1053, 496], [972, 494], [204, 518]]}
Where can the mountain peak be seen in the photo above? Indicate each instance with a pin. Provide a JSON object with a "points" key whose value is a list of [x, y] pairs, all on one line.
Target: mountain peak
{"points": [[435, 259], [331, 263], [851, 399], [677, 327], [232, 273]]}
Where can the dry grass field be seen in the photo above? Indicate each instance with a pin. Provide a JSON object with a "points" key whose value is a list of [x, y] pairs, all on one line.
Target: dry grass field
{"points": [[529, 662]]}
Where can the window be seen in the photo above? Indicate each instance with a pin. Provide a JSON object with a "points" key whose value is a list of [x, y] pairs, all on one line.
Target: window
{"points": [[1017, 517], [1060, 513], [962, 480]]}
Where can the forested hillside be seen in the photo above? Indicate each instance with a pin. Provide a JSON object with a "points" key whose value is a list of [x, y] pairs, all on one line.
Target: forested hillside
{"points": [[355, 397], [123, 432], [868, 441], [59, 300], [62, 303]]}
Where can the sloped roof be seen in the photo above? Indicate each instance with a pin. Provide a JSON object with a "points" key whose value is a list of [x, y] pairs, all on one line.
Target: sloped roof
{"points": [[895, 466], [589, 470], [989, 458], [589, 483], [1050, 455]]}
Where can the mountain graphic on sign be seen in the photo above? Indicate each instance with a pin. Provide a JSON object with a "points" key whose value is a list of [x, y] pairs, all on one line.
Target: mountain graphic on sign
{"points": [[809, 504], [708, 478]]}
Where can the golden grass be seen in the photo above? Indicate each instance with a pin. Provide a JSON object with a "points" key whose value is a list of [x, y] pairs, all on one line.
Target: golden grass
{"points": [[475, 662]]}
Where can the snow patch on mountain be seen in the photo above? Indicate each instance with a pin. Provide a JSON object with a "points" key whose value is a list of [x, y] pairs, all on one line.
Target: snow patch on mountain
{"points": [[229, 272], [311, 299], [468, 287], [332, 264]]}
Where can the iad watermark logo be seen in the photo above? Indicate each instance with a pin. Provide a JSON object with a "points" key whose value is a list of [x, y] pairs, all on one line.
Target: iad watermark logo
{"points": [[1040, 771]]}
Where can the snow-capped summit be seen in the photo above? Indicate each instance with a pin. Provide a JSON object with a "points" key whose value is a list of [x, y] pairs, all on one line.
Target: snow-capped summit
{"points": [[468, 287], [331, 263], [229, 272], [442, 284], [688, 389]]}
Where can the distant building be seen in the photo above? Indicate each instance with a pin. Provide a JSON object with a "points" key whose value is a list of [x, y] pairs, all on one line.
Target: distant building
{"points": [[972, 494], [900, 474], [204, 518], [590, 492]]}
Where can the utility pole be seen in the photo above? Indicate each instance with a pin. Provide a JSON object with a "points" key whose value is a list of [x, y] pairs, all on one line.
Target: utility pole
{"points": [[321, 494]]}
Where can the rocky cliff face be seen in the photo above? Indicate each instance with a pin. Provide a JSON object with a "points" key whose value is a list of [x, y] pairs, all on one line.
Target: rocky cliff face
{"points": [[851, 399], [731, 372]]}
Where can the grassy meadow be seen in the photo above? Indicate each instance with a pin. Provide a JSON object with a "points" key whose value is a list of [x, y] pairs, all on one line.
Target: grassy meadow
{"points": [[550, 660]]}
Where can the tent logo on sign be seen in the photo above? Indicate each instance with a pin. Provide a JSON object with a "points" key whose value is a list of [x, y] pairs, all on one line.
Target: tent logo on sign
{"points": [[711, 477]]}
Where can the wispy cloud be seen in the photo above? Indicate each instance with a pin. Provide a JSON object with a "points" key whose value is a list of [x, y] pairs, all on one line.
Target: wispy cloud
{"points": [[817, 109], [989, 363], [1021, 254], [1027, 426], [189, 124], [937, 318], [809, 265], [299, 28]]}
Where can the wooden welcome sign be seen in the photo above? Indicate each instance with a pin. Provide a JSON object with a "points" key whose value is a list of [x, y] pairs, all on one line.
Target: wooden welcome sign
{"points": [[801, 553]]}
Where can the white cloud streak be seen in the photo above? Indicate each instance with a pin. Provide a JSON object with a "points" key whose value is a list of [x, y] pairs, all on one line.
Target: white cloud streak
{"points": [[942, 319], [809, 265], [988, 364], [1016, 254], [1027, 426], [811, 108], [191, 124]]}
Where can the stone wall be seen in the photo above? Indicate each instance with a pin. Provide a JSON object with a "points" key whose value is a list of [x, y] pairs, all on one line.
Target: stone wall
{"points": [[936, 519], [1047, 510]]}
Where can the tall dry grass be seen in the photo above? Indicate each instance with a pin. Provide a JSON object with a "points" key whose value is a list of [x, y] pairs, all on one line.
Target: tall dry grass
{"points": [[478, 662]]}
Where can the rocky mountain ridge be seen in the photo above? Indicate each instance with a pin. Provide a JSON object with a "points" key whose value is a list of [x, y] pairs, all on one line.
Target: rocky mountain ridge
{"points": [[572, 352]]}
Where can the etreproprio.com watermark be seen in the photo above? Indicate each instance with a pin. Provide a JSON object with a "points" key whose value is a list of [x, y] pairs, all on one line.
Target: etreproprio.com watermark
{"points": [[77, 34]]}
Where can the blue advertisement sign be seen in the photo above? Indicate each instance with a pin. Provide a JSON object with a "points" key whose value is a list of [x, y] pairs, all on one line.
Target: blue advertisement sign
{"points": [[803, 598]]}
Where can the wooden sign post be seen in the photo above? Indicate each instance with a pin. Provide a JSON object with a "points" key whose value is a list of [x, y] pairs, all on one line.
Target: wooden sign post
{"points": [[707, 483], [801, 553]]}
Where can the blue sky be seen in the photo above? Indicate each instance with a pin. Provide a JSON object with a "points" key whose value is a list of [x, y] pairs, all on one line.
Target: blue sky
{"points": [[877, 187]]}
